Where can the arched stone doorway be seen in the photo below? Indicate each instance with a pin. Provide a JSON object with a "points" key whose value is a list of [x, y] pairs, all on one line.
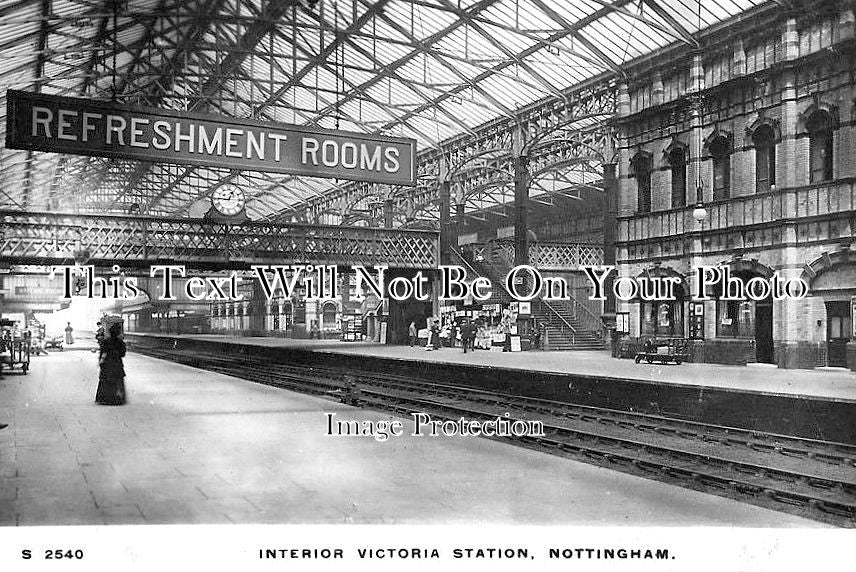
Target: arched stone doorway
{"points": [[832, 277], [748, 319]]}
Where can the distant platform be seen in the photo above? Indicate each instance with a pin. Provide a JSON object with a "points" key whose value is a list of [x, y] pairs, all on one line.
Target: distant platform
{"points": [[201, 447], [832, 384], [810, 404]]}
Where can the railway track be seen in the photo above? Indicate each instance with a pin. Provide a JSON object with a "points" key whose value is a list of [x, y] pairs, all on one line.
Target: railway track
{"points": [[811, 478]]}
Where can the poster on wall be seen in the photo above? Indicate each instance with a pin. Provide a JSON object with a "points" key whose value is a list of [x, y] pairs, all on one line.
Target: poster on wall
{"points": [[622, 322], [853, 316], [696, 321]]}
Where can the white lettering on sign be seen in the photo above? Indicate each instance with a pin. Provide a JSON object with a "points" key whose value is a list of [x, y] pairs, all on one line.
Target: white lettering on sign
{"points": [[58, 124], [348, 155], [64, 125], [88, 127], [42, 116]]}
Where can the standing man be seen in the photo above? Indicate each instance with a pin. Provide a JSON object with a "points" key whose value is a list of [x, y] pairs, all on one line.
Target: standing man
{"points": [[466, 331], [69, 339], [536, 336], [412, 333]]}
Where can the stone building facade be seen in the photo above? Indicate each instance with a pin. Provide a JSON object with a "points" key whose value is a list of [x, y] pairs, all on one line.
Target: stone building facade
{"points": [[758, 127]]}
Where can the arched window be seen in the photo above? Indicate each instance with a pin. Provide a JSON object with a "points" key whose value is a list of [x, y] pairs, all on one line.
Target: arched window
{"points": [[329, 314], [664, 317], [765, 158], [642, 172], [819, 127], [720, 152], [678, 162]]}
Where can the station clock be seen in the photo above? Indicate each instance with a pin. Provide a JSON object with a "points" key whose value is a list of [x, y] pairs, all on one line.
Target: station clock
{"points": [[228, 200]]}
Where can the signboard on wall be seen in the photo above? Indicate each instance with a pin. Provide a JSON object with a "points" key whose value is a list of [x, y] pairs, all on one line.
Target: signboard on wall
{"points": [[696, 321], [52, 123], [505, 232]]}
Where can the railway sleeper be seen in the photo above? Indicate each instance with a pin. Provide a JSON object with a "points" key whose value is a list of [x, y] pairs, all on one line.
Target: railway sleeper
{"points": [[846, 511]]}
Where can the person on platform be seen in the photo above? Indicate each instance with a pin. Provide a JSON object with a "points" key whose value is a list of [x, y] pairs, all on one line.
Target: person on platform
{"points": [[412, 332], [429, 344], [314, 332], [536, 336], [99, 333], [466, 330], [111, 378], [435, 337], [69, 339]]}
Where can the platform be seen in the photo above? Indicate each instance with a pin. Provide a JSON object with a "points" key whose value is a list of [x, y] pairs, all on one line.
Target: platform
{"points": [[200, 447], [795, 403], [829, 384]]}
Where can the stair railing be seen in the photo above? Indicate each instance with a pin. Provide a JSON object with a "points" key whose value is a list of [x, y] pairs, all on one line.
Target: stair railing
{"points": [[470, 270], [564, 326], [593, 320]]}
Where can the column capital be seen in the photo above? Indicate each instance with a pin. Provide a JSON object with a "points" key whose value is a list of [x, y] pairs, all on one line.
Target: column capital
{"points": [[518, 142]]}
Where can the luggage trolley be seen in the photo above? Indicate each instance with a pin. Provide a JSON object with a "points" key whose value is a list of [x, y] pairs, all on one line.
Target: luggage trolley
{"points": [[14, 347], [664, 351]]}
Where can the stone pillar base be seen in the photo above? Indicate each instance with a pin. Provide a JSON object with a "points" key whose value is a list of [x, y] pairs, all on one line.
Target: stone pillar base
{"points": [[803, 355], [787, 356]]}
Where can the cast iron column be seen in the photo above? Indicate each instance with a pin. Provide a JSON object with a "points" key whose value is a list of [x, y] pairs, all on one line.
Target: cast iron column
{"points": [[445, 222], [521, 210], [610, 226]]}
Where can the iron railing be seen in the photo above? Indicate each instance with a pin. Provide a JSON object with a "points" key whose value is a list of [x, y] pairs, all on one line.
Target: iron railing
{"points": [[48, 238]]}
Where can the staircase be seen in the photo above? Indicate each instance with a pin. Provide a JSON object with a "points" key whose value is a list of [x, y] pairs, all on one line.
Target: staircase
{"points": [[569, 325], [566, 328]]}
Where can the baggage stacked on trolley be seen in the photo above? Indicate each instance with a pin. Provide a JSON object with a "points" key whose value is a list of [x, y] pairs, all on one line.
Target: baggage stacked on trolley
{"points": [[14, 347]]}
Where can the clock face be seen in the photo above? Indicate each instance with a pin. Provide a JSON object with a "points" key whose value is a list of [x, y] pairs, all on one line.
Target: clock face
{"points": [[228, 200]]}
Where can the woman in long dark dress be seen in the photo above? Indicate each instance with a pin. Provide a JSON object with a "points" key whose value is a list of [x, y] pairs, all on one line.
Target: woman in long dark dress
{"points": [[111, 379]]}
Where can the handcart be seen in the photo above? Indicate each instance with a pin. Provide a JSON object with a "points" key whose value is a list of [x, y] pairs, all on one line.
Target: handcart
{"points": [[14, 348], [664, 351]]}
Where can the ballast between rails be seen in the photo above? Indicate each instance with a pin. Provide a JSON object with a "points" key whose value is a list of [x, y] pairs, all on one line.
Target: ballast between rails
{"points": [[799, 492]]}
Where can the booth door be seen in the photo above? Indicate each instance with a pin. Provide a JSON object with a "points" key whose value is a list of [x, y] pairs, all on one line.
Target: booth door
{"points": [[838, 328], [764, 331]]}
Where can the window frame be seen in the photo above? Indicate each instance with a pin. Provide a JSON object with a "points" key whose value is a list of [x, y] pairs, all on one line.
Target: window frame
{"points": [[764, 140], [678, 169], [720, 154], [821, 152], [643, 168]]}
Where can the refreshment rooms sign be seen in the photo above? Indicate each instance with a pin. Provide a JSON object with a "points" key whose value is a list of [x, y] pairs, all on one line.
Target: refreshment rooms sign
{"points": [[57, 124]]}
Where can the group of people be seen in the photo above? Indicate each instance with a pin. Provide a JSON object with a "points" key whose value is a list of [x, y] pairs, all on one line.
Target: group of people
{"points": [[111, 375], [436, 335], [469, 332]]}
